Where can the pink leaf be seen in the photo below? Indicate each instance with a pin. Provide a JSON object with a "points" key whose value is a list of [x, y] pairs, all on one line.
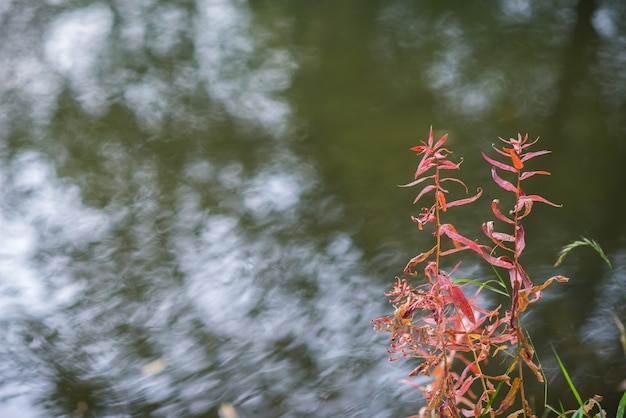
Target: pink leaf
{"points": [[527, 156], [455, 180], [499, 164], [449, 165], [536, 198], [502, 261], [418, 181], [441, 141], [498, 150], [430, 137], [501, 182], [452, 233], [520, 243], [465, 201], [499, 236], [533, 173], [425, 164], [423, 192]]}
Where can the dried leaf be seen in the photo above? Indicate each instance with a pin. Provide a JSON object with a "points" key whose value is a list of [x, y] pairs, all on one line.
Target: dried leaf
{"points": [[510, 397]]}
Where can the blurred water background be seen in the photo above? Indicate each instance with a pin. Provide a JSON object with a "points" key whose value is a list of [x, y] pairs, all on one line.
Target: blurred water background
{"points": [[198, 200]]}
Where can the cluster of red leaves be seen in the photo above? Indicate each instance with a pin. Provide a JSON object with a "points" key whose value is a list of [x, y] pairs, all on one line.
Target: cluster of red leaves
{"points": [[436, 323]]}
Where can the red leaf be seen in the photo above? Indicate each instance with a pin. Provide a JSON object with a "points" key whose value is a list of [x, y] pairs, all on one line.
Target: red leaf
{"points": [[501, 182], [461, 302], [517, 163], [496, 236], [499, 215], [451, 232], [420, 258]]}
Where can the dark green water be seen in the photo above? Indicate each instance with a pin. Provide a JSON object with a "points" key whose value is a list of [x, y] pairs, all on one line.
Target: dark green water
{"points": [[199, 205]]}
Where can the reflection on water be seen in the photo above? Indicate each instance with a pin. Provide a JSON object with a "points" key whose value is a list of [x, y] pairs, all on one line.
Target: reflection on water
{"points": [[191, 214]]}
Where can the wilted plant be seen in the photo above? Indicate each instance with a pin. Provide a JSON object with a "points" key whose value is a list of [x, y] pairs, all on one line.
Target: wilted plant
{"points": [[451, 334]]}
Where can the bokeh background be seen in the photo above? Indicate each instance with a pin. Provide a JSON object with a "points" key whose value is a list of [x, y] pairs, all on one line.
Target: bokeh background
{"points": [[198, 200]]}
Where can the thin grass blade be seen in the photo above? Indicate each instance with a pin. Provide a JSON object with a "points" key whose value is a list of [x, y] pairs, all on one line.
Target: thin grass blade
{"points": [[621, 409], [567, 378]]}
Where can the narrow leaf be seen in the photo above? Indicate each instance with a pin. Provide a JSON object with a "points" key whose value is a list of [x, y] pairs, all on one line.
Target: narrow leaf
{"points": [[430, 137], [424, 165], [451, 232], [501, 182], [420, 258], [496, 236], [423, 192], [510, 397], [621, 409], [441, 199], [536, 198], [520, 243], [527, 156], [567, 378], [527, 174], [465, 201], [485, 285], [449, 165], [441, 141], [499, 164], [498, 214], [418, 181], [455, 180]]}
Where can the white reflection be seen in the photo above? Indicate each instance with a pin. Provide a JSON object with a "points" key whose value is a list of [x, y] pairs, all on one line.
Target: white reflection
{"points": [[42, 204], [74, 45], [226, 52], [272, 192], [150, 100], [603, 22], [517, 10], [448, 76], [169, 24]]}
